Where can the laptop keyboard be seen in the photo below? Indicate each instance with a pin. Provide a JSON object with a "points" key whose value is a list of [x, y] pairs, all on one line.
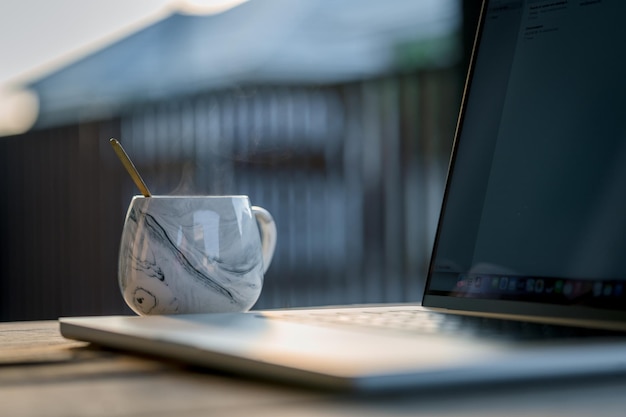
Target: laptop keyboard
{"points": [[424, 322]]}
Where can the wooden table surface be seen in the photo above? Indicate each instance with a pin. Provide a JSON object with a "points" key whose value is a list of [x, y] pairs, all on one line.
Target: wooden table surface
{"points": [[43, 374]]}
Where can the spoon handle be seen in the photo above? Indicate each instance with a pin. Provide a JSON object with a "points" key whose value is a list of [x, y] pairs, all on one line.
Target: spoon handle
{"points": [[130, 167]]}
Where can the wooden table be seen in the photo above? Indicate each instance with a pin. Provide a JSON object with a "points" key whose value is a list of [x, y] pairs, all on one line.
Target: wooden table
{"points": [[42, 374]]}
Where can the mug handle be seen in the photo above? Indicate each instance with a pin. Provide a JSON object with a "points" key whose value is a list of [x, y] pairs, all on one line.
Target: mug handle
{"points": [[267, 227]]}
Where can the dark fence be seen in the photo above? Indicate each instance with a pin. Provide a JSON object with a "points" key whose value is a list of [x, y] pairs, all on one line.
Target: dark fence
{"points": [[60, 218], [352, 173]]}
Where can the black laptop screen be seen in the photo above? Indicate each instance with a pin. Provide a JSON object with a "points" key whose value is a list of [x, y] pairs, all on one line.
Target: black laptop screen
{"points": [[535, 208]]}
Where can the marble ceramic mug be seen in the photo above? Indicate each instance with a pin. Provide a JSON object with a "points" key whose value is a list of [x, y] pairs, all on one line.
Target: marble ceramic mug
{"points": [[194, 254]]}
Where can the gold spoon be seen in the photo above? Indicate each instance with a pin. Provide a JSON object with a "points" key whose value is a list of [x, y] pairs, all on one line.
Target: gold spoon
{"points": [[130, 167]]}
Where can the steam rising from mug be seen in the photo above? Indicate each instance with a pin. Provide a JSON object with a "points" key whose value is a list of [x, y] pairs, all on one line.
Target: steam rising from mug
{"points": [[192, 254]]}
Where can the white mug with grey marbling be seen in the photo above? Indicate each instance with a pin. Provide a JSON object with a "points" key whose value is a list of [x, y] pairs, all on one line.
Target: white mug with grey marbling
{"points": [[194, 254]]}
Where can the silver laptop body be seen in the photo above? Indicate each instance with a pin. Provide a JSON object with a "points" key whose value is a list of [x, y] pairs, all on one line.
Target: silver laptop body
{"points": [[527, 274]]}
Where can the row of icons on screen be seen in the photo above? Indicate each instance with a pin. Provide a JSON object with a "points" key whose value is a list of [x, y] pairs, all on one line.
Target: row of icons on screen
{"points": [[503, 284]]}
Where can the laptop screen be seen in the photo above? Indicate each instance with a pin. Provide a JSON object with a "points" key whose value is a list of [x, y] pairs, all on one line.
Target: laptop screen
{"points": [[535, 206]]}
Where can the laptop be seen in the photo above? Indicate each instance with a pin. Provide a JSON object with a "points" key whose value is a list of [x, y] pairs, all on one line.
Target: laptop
{"points": [[528, 271]]}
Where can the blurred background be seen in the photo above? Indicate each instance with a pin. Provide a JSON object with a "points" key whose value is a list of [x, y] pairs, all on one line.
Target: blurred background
{"points": [[337, 116]]}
